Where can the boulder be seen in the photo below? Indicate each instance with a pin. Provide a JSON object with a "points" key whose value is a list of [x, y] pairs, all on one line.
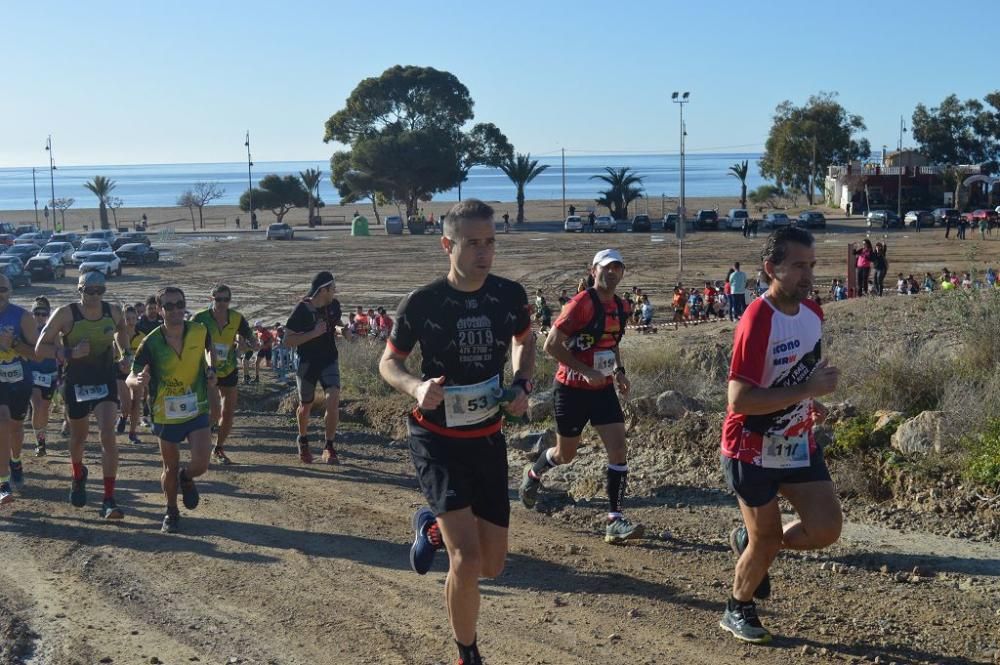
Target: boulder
{"points": [[884, 418], [921, 434], [540, 406], [533, 443], [840, 411], [672, 404]]}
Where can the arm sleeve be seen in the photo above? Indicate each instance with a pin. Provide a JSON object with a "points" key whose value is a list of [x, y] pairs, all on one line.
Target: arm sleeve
{"points": [[750, 349], [142, 357], [298, 322], [409, 321]]}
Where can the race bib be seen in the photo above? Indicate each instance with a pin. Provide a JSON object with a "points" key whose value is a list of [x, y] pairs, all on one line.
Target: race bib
{"points": [[221, 351], [785, 452], [43, 379], [90, 393], [11, 372], [181, 406], [604, 362], [469, 405]]}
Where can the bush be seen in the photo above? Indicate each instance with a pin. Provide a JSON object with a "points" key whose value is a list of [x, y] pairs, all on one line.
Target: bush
{"points": [[982, 465], [359, 376], [856, 435]]}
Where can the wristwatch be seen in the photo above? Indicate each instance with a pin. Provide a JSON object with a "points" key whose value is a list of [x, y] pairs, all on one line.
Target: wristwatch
{"points": [[524, 384]]}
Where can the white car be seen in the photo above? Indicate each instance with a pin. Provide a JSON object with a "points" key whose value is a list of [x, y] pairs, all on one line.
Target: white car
{"points": [[573, 223], [103, 262], [279, 232], [736, 218], [605, 223], [88, 248]]}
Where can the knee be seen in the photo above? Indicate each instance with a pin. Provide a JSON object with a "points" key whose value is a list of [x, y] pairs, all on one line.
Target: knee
{"points": [[827, 532], [766, 542], [466, 565], [197, 468], [305, 406], [492, 567]]}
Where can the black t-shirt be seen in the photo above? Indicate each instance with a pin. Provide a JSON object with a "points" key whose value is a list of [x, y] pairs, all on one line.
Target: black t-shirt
{"points": [[464, 337], [146, 326], [322, 350]]}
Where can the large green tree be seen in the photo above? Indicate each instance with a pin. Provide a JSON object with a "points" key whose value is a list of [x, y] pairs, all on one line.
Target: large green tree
{"points": [[622, 190], [404, 130], [522, 169], [821, 127], [277, 194], [740, 171], [484, 145], [957, 132], [102, 187]]}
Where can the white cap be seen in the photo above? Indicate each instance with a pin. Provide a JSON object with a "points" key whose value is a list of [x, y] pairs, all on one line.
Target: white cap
{"points": [[606, 256]]}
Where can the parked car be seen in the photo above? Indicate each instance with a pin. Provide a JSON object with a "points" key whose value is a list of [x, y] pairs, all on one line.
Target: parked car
{"points": [[13, 267], [925, 217], [61, 250], [605, 223], [774, 220], [573, 223], [130, 237], [670, 221], [90, 247], [984, 213], [885, 219], [104, 262], [641, 224], [102, 234], [25, 228], [707, 219], [7, 239], [29, 239], [23, 251], [811, 219], [736, 217], [280, 231], [394, 225], [942, 215], [46, 267], [137, 253], [7, 227], [70, 237]]}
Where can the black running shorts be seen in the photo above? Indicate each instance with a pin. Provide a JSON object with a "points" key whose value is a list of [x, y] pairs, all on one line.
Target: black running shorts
{"points": [[230, 380], [757, 486], [16, 397], [76, 410], [462, 473], [575, 407]]}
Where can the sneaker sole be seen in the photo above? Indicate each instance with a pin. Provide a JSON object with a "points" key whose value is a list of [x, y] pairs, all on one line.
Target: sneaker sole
{"points": [[526, 502], [760, 640], [638, 533]]}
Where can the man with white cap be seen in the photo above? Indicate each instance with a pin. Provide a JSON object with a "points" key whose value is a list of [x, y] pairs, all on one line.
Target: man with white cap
{"points": [[85, 333], [585, 340]]}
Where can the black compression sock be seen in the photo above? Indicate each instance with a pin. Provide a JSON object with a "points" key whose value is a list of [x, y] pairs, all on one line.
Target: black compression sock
{"points": [[617, 480], [542, 464], [469, 655]]}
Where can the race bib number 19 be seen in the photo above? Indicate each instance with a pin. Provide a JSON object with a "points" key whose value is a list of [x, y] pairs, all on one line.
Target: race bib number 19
{"points": [[785, 452], [469, 405], [604, 362]]}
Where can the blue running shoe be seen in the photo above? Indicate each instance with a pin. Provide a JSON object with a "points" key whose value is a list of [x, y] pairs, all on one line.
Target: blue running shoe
{"points": [[17, 475], [78, 494], [6, 494], [426, 541]]}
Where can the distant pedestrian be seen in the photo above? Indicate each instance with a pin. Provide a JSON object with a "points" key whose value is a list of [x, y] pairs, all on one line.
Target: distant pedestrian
{"points": [[237, 222]]}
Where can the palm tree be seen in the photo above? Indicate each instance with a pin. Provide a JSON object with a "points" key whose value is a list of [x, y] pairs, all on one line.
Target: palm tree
{"points": [[102, 187], [311, 178], [740, 170], [522, 169], [621, 192]]}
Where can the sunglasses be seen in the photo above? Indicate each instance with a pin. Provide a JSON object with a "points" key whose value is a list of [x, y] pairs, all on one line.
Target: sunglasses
{"points": [[223, 298], [93, 290], [171, 306]]}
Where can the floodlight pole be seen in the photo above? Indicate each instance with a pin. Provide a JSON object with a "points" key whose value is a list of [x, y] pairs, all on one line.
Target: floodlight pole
{"points": [[681, 99]]}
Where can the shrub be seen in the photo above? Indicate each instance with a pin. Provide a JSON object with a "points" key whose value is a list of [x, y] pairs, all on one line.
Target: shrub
{"points": [[982, 464], [855, 435]]}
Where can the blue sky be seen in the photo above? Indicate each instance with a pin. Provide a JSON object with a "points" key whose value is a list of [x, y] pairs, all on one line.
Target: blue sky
{"points": [[138, 82]]}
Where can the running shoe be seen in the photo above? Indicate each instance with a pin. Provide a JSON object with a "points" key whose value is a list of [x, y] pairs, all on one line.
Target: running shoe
{"points": [[6, 494], [738, 541], [305, 455], [120, 425], [146, 423], [40, 450], [189, 493], [528, 491], [219, 455], [426, 542], [133, 438], [215, 428], [110, 510], [78, 493], [330, 456], [741, 620], [170, 521], [17, 475], [620, 530]]}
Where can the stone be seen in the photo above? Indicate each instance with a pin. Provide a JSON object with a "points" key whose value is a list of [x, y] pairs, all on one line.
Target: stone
{"points": [[540, 406], [672, 404], [884, 418], [529, 441], [921, 434]]}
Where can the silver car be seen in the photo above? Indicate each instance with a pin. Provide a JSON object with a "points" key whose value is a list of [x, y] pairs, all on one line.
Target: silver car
{"points": [[280, 231], [605, 223]]}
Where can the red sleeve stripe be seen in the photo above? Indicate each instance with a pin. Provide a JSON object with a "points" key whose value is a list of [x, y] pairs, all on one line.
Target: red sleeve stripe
{"points": [[395, 350]]}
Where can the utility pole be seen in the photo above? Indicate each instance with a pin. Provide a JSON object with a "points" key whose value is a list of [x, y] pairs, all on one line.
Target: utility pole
{"points": [[899, 158], [812, 172], [564, 182], [34, 189], [681, 99], [249, 174], [52, 178]]}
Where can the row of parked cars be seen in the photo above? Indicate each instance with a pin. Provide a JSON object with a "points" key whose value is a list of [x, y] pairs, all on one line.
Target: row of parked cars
{"points": [[888, 219], [704, 220], [30, 254]]}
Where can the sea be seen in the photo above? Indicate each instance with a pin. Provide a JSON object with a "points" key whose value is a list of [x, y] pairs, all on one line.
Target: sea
{"points": [[159, 185]]}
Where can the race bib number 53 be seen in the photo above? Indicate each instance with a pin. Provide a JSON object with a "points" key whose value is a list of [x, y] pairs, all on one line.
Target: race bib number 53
{"points": [[469, 405]]}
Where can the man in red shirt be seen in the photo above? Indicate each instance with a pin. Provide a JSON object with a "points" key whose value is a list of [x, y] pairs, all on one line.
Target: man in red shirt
{"points": [[768, 447], [585, 341], [265, 341]]}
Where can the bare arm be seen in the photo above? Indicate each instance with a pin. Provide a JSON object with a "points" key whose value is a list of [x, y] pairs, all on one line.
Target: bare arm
{"points": [[48, 341], [29, 329], [522, 356], [748, 399], [392, 367]]}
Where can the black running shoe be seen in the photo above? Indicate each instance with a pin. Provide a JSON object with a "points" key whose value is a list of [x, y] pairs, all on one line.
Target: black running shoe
{"points": [[78, 493], [738, 541], [170, 521], [741, 620], [40, 450], [120, 425], [17, 475], [189, 493], [110, 510]]}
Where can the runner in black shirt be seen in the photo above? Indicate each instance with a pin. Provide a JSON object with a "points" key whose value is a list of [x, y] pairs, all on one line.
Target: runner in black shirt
{"points": [[311, 330], [464, 323]]}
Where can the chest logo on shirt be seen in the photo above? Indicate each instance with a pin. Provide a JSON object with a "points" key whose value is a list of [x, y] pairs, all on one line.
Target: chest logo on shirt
{"points": [[785, 352], [475, 339]]}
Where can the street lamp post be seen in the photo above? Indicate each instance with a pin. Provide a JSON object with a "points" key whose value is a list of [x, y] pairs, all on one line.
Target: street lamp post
{"points": [[34, 190], [681, 99], [52, 177], [899, 158], [249, 175]]}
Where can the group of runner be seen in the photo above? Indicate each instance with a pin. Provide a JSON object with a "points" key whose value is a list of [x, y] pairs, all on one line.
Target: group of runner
{"points": [[465, 324]]}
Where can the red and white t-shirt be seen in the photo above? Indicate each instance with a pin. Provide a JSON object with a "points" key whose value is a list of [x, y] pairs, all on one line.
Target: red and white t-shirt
{"points": [[597, 353], [770, 350]]}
